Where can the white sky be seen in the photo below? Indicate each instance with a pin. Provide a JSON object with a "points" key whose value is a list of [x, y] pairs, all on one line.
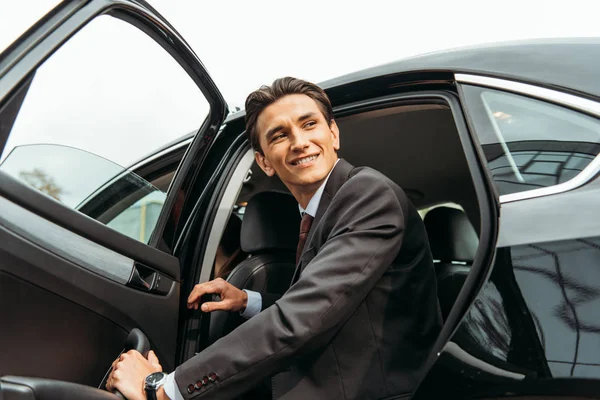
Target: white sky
{"points": [[248, 43]]}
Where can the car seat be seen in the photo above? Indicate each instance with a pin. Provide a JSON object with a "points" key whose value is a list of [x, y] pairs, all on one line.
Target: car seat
{"points": [[269, 235], [453, 243]]}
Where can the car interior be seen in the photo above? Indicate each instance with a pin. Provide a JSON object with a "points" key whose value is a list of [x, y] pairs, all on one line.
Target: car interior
{"points": [[417, 146]]}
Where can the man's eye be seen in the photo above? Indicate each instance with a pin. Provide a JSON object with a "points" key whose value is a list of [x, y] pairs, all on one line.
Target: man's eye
{"points": [[309, 124], [278, 136]]}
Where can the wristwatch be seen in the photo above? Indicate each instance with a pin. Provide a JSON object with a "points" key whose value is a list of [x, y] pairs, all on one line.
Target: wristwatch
{"points": [[152, 383]]}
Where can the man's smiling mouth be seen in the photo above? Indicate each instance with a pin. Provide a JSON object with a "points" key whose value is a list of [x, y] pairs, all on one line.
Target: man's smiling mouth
{"points": [[305, 160]]}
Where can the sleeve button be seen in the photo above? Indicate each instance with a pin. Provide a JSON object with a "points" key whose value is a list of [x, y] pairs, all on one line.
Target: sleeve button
{"points": [[198, 385], [190, 388]]}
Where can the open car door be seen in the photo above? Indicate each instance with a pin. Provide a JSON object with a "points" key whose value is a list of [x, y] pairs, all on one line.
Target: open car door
{"points": [[84, 268]]}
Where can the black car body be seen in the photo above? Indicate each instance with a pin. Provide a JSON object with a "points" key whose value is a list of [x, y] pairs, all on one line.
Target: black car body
{"points": [[497, 146]]}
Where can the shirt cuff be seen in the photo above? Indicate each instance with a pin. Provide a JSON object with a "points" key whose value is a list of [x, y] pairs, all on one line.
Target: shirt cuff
{"points": [[171, 389], [254, 304]]}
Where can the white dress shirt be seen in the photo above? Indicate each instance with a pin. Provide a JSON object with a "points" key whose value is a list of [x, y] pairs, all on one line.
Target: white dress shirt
{"points": [[254, 304]]}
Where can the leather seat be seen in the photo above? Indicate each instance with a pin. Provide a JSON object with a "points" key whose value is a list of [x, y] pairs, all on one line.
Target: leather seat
{"points": [[452, 239], [269, 235]]}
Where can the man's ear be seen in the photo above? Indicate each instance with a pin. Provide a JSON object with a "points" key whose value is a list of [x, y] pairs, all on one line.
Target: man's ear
{"points": [[263, 163], [335, 132]]}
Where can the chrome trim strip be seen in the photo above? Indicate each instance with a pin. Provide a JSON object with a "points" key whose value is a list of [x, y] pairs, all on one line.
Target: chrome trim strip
{"points": [[168, 150], [560, 98], [81, 251], [569, 100], [232, 192], [586, 175], [455, 350]]}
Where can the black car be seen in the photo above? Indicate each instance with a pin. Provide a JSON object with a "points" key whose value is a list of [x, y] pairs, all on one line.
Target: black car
{"points": [[497, 146]]}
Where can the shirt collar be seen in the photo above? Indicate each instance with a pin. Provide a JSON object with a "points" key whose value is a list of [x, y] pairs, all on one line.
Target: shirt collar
{"points": [[313, 204]]}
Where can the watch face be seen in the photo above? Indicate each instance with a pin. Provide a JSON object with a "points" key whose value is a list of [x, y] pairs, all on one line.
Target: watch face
{"points": [[155, 378]]}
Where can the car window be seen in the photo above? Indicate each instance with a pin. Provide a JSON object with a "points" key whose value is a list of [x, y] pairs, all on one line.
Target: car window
{"points": [[109, 97], [101, 189], [528, 143], [138, 220]]}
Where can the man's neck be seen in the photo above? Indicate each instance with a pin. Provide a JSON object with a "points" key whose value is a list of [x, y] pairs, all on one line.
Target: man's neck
{"points": [[304, 199]]}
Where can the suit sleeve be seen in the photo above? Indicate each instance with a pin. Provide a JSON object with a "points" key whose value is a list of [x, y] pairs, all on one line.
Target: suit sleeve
{"points": [[366, 235]]}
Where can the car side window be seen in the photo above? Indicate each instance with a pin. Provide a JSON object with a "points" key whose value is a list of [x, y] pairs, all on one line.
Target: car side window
{"points": [[102, 102], [528, 143]]}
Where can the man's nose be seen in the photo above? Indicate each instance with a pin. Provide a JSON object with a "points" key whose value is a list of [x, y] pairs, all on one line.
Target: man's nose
{"points": [[299, 141]]}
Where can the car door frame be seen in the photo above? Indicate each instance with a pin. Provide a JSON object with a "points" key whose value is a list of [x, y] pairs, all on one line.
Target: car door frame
{"points": [[436, 87], [518, 228], [17, 68]]}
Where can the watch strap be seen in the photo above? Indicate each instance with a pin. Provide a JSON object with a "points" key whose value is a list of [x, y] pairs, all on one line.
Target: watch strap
{"points": [[150, 394]]}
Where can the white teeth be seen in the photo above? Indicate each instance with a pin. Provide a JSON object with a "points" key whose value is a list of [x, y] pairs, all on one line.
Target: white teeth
{"points": [[305, 160]]}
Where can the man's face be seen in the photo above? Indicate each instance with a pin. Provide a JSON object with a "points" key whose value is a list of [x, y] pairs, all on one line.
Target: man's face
{"points": [[299, 145]]}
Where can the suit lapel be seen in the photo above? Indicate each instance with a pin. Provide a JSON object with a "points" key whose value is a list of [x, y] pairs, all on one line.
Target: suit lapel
{"points": [[338, 177]]}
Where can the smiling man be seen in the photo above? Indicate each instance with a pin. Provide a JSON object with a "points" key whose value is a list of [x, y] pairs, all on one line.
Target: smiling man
{"points": [[361, 314]]}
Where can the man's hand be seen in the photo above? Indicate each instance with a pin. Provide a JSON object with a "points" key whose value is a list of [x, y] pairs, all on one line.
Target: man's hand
{"points": [[232, 298], [129, 372]]}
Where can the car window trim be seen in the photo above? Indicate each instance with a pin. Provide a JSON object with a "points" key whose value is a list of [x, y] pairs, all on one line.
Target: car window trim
{"points": [[147, 161], [578, 104]]}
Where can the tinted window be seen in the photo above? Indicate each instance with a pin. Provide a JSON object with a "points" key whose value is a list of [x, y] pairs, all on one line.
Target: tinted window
{"points": [[529, 143], [108, 98]]}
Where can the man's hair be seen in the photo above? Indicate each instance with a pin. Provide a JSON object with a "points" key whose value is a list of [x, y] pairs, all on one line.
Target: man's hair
{"points": [[260, 99]]}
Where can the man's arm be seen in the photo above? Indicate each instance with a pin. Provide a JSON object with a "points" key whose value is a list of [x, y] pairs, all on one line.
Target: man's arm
{"points": [[367, 232]]}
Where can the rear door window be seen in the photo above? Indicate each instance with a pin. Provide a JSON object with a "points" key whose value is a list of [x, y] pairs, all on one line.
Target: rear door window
{"points": [[528, 143]]}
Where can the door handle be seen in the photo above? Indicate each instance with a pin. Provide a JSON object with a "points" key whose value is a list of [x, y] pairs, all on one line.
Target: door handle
{"points": [[136, 340], [146, 279]]}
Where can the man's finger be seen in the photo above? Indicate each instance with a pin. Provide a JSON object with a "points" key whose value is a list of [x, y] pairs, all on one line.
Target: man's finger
{"points": [[110, 382], [152, 357], [134, 353], [200, 290], [211, 306], [212, 287], [154, 360]]}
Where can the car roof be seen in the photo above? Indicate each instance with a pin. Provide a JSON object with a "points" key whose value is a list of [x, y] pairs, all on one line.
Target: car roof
{"points": [[564, 63], [569, 64]]}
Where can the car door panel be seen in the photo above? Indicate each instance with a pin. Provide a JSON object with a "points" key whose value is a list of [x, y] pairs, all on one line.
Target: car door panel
{"points": [[535, 320], [63, 318], [71, 288]]}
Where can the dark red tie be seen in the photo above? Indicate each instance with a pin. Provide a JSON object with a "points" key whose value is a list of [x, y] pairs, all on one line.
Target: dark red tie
{"points": [[304, 229]]}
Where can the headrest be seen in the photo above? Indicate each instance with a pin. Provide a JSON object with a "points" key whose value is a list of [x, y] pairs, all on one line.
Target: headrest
{"points": [[271, 222], [451, 235]]}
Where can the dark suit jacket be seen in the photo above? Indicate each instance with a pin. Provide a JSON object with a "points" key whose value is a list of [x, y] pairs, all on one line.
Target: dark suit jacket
{"points": [[360, 317]]}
